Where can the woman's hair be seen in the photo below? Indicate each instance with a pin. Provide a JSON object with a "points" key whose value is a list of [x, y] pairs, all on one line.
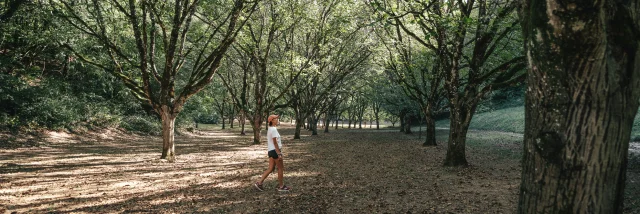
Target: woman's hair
{"points": [[270, 123]]}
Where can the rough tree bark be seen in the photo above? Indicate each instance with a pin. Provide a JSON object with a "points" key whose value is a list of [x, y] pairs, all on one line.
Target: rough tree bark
{"points": [[459, 125], [168, 127], [430, 129], [582, 96], [256, 125]]}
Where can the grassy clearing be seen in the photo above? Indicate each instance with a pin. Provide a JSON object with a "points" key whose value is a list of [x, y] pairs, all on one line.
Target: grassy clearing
{"points": [[512, 120], [505, 120]]}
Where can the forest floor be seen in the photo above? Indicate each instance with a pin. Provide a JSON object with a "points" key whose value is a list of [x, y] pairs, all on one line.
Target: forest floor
{"points": [[346, 171]]}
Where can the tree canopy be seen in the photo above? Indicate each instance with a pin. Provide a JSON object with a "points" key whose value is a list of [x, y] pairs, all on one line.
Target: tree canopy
{"points": [[159, 67]]}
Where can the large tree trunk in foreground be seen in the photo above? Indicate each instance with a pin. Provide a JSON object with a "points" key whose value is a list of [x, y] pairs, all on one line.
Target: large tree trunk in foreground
{"points": [[582, 96], [168, 127]]}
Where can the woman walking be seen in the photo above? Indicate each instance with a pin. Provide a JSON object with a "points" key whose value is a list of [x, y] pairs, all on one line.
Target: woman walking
{"points": [[275, 155]]}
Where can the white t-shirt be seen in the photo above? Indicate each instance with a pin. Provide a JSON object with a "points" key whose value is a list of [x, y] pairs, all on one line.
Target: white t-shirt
{"points": [[271, 133]]}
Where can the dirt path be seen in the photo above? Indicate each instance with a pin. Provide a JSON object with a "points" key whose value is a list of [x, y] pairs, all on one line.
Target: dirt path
{"points": [[348, 171]]}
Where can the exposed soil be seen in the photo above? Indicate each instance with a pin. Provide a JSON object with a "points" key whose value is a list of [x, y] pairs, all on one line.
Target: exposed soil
{"points": [[352, 171]]}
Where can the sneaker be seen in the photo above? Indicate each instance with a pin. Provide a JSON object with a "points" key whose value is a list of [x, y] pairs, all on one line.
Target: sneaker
{"points": [[284, 189], [258, 186]]}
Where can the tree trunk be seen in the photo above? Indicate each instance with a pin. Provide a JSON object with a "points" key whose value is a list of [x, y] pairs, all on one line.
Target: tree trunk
{"points": [[299, 122], [402, 123], [298, 128], [168, 128], [456, 152], [460, 117], [407, 125], [314, 125], [327, 123], [431, 128], [582, 97], [222, 115], [377, 122], [257, 126], [243, 121]]}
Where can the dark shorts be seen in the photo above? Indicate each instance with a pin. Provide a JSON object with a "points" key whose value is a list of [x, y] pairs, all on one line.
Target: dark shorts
{"points": [[273, 154]]}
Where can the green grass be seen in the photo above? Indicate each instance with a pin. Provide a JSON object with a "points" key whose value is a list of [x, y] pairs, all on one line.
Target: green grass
{"points": [[512, 120], [635, 131], [499, 145], [506, 120], [207, 127]]}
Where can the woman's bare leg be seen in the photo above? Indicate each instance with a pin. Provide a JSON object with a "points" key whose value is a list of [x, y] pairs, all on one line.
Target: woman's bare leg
{"points": [[266, 173], [280, 164]]}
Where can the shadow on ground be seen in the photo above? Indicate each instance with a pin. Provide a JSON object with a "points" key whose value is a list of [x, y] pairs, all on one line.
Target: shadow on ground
{"points": [[346, 170]]}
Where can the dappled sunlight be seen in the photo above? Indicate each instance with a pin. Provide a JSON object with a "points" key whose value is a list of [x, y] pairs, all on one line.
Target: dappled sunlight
{"points": [[61, 137], [344, 171]]}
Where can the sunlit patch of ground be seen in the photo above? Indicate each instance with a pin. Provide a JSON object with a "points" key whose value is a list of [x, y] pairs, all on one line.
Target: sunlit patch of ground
{"points": [[347, 171]]}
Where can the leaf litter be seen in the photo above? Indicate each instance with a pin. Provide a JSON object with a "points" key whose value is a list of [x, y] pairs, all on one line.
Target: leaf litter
{"points": [[345, 171]]}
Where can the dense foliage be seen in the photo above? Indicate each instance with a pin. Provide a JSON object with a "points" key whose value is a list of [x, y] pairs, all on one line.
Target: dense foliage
{"points": [[43, 85]]}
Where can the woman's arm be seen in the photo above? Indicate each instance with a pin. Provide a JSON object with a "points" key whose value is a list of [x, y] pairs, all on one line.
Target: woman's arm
{"points": [[275, 143]]}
